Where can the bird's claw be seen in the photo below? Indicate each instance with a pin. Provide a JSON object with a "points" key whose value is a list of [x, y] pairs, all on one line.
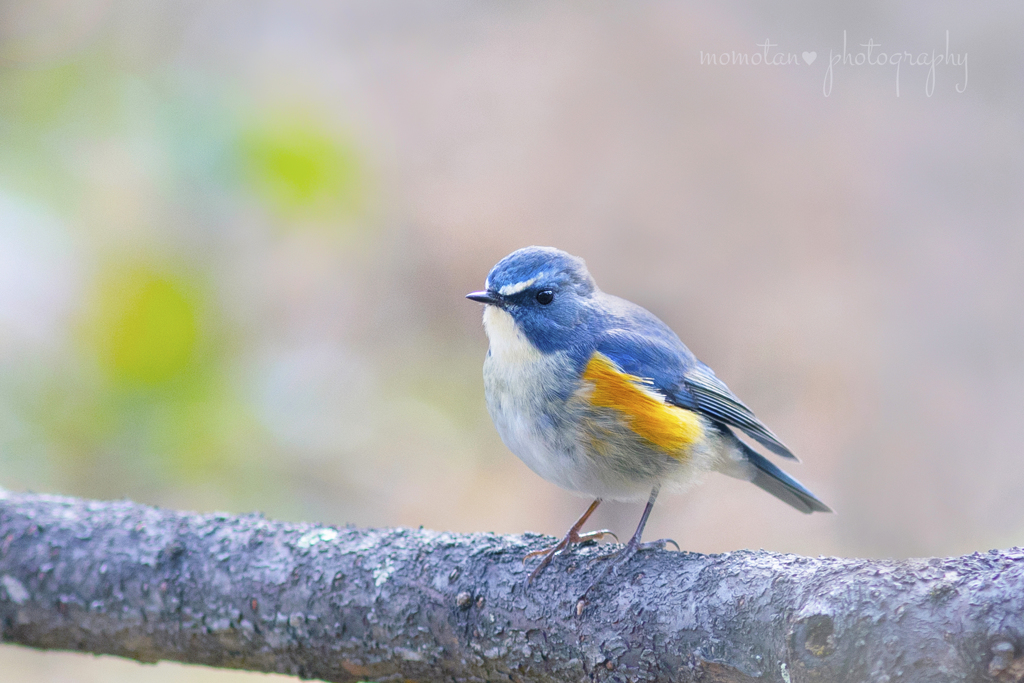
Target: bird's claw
{"points": [[571, 538], [622, 556]]}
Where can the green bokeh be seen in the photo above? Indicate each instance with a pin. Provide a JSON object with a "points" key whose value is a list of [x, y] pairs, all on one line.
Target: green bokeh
{"points": [[146, 403]]}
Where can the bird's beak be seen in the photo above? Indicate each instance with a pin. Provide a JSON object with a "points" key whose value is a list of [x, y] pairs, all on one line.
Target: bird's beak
{"points": [[491, 298]]}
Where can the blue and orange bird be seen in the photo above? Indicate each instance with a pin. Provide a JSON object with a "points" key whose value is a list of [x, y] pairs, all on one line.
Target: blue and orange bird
{"points": [[600, 397]]}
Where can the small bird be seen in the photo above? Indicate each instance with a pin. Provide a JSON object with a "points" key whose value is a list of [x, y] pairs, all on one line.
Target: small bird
{"points": [[600, 397]]}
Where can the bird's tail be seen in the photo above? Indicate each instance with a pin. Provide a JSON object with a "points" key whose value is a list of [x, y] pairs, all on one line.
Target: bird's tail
{"points": [[749, 465]]}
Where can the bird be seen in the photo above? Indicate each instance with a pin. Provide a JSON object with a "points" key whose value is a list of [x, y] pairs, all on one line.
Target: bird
{"points": [[600, 397]]}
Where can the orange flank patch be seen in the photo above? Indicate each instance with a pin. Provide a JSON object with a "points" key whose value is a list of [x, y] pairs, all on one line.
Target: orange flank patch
{"points": [[670, 428]]}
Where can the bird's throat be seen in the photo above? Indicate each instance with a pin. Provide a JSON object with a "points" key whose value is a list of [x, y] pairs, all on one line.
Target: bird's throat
{"points": [[508, 343]]}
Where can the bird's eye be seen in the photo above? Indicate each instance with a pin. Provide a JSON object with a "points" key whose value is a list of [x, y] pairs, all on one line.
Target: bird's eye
{"points": [[545, 296]]}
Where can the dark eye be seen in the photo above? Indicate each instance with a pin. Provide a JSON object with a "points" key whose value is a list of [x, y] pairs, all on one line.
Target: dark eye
{"points": [[545, 296]]}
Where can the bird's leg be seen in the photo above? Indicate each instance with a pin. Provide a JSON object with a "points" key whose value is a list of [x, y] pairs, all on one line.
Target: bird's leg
{"points": [[573, 536], [624, 555]]}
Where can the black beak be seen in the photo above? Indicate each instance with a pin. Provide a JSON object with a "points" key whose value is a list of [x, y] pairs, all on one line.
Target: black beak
{"points": [[491, 298]]}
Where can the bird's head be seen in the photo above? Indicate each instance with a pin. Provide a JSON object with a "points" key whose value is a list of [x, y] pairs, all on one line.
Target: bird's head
{"points": [[546, 295]]}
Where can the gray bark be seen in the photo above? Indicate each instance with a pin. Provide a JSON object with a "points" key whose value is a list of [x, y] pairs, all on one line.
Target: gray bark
{"points": [[344, 604]]}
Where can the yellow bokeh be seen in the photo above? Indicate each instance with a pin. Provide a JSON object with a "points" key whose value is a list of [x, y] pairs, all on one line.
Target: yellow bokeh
{"points": [[146, 328], [300, 170]]}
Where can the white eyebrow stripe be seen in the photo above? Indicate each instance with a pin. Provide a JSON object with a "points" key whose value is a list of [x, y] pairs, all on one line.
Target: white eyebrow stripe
{"points": [[509, 290]]}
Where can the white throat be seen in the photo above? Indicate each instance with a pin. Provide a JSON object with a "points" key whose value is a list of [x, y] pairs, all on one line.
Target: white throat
{"points": [[507, 341]]}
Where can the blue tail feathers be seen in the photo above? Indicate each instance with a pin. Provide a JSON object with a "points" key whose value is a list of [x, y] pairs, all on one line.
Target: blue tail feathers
{"points": [[779, 484]]}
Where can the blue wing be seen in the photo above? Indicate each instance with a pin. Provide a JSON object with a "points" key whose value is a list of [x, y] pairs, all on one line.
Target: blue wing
{"points": [[642, 345], [713, 398]]}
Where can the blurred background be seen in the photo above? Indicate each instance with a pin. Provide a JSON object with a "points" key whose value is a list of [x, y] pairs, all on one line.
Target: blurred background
{"points": [[235, 239]]}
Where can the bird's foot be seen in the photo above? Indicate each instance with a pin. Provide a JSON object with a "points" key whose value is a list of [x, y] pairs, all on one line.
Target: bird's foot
{"points": [[571, 538], [620, 557]]}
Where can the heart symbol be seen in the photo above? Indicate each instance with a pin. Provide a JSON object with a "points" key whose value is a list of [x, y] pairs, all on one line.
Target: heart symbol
{"points": [[809, 57]]}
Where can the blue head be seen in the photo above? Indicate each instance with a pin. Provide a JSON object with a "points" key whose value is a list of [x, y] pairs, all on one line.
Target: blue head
{"points": [[546, 292]]}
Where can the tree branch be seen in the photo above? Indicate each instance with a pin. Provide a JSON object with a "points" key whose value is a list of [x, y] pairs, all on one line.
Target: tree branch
{"points": [[355, 604]]}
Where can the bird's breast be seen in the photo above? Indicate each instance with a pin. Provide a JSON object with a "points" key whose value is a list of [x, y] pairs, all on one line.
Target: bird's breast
{"points": [[521, 381], [527, 392]]}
